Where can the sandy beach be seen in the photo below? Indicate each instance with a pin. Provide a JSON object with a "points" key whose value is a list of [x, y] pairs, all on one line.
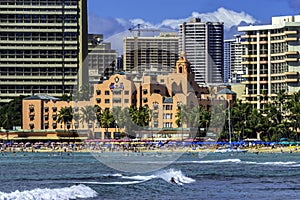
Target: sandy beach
{"points": [[85, 148]]}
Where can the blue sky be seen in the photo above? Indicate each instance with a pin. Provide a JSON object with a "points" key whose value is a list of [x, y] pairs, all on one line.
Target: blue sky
{"points": [[157, 10], [113, 17]]}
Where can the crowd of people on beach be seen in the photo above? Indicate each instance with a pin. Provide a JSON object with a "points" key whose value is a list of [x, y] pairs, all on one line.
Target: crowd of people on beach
{"points": [[136, 146]]}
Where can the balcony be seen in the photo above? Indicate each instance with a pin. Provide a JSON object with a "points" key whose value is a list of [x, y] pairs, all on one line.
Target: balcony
{"points": [[292, 59], [291, 39], [248, 62], [291, 73], [263, 82], [249, 95], [249, 82], [291, 80], [291, 53], [290, 32]]}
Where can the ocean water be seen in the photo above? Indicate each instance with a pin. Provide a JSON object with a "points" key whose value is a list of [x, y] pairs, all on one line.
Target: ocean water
{"points": [[211, 176]]}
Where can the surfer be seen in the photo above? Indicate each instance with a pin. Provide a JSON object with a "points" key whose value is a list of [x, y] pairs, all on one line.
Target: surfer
{"points": [[172, 180]]}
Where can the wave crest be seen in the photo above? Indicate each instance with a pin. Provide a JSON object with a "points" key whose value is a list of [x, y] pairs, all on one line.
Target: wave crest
{"points": [[73, 192]]}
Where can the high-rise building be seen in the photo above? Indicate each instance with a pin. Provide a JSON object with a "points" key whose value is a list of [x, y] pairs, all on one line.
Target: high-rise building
{"points": [[203, 44], [43, 45], [145, 52], [233, 68], [271, 59], [102, 59]]}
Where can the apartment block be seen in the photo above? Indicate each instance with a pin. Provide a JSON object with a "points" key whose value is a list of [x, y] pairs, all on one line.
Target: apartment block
{"points": [[271, 59], [102, 60], [203, 44], [43, 46], [146, 52], [233, 68]]}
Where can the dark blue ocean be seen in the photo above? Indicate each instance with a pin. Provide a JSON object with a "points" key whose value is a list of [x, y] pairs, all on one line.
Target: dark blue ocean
{"points": [[210, 176]]}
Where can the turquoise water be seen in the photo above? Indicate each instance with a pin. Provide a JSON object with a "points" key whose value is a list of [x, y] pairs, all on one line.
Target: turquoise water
{"points": [[211, 176]]}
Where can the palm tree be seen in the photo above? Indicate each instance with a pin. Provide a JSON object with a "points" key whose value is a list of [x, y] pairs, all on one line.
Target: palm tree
{"points": [[240, 117], [107, 119], [293, 105], [183, 115], [141, 116], [87, 116], [65, 116], [204, 118]]}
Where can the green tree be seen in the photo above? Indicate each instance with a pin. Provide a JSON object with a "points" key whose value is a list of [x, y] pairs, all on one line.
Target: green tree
{"points": [[65, 116], [88, 115], [107, 119], [11, 113], [141, 116]]}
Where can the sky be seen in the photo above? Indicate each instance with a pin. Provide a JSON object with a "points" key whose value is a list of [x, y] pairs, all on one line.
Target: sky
{"points": [[113, 18]]}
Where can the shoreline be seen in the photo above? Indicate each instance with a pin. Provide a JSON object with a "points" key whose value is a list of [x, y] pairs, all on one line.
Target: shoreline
{"points": [[255, 150]]}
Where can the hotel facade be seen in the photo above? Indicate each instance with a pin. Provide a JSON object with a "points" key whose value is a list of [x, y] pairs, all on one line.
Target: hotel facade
{"points": [[271, 59], [43, 45], [161, 94]]}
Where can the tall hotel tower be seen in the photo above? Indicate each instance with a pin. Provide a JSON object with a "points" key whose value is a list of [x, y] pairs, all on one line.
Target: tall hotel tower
{"points": [[233, 68], [271, 59], [43, 44], [202, 43]]}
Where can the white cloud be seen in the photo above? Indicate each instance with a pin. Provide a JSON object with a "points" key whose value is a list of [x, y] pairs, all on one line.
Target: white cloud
{"points": [[229, 17], [116, 29]]}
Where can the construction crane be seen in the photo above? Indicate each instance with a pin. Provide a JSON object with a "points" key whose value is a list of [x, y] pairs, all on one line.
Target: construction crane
{"points": [[138, 29]]}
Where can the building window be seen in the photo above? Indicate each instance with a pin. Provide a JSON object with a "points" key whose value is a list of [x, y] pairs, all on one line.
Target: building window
{"points": [[46, 117], [54, 117], [31, 126], [106, 92], [117, 92], [155, 115], [168, 125], [54, 109], [162, 80], [145, 100], [46, 125], [107, 101], [31, 117], [126, 92], [156, 91], [98, 100], [98, 92], [155, 124], [126, 100], [54, 125], [167, 116], [145, 91], [116, 100], [31, 109], [46, 109], [107, 135], [76, 109], [167, 107], [155, 106]]}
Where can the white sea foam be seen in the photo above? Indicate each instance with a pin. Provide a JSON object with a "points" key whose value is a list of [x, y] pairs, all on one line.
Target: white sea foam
{"points": [[165, 175], [178, 176], [213, 161], [73, 192], [115, 175], [272, 163]]}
